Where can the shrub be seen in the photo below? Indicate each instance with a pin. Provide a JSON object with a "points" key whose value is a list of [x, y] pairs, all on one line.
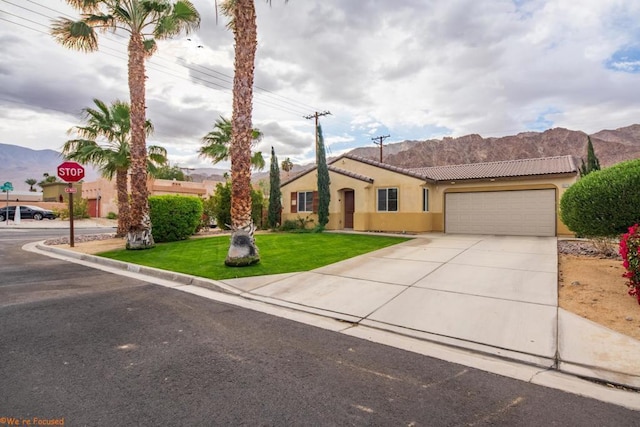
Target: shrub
{"points": [[80, 209], [112, 215], [297, 225], [221, 210], [604, 202], [630, 252], [174, 217]]}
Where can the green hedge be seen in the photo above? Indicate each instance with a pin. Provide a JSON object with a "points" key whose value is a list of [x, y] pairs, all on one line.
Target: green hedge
{"points": [[604, 203], [174, 217], [221, 206]]}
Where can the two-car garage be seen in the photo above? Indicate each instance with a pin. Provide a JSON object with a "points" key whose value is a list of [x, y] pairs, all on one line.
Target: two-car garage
{"points": [[517, 213]]}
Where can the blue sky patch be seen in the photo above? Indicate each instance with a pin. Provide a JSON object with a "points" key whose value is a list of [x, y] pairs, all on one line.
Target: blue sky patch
{"points": [[626, 60], [542, 122]]}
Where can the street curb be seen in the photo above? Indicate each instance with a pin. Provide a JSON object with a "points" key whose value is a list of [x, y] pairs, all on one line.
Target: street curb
{"points": [[182, 279]]}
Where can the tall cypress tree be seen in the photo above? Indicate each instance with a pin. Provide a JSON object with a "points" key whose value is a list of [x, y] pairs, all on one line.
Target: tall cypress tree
{"points": [[324, 194], [275, 202], [593, 164]]}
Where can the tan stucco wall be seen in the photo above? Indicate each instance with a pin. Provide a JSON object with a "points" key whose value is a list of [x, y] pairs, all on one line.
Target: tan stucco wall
{"points": [[409, 216]]}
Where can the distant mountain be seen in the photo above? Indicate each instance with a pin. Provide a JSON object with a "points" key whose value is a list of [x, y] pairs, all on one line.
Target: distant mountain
{"points": [[20, 163], [611, 146]]}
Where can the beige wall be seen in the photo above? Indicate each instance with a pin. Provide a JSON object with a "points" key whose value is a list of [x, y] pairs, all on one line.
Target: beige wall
{"points": [[409, 217]]}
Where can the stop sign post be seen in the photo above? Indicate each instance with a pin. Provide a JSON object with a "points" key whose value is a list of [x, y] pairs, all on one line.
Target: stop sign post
{"points": [[70, 172]]}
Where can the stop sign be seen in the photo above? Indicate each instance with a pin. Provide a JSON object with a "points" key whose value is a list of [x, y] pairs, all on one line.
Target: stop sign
{"points": [[70, 172]]}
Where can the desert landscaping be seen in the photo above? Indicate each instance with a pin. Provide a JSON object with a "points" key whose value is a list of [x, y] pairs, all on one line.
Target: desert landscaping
{"points": [[591, 285]]}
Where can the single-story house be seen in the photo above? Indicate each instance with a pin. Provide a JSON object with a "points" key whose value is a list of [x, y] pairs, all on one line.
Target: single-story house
{"points": [[515, 197]]}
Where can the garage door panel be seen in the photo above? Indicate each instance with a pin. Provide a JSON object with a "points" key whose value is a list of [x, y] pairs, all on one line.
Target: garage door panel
{"points": [[524, 213]]}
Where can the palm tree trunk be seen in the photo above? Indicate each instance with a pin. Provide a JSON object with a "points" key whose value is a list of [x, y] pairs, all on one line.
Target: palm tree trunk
{"points": [[123, 203], [139, 233], [246, 40]]}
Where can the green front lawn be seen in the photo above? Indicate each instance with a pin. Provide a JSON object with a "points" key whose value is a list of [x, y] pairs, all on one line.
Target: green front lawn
{"points": [[279, 253]]}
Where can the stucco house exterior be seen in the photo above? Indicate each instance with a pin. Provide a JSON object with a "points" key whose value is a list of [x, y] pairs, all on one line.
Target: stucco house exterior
{"points": [[516, 197]]}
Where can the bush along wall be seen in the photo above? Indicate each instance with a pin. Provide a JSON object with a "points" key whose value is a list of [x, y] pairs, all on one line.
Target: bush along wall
{"points": [[604, 203], [174, 217]]}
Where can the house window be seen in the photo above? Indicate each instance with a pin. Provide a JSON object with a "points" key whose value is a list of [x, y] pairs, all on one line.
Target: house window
{"points": [[305, 201], [425, 200], [387, 199]]}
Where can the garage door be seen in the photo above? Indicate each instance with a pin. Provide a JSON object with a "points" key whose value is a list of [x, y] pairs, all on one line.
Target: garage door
{"points": [[517, 213]]}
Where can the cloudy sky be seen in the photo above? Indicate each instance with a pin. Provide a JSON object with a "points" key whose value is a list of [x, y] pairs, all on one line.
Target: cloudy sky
{"points": [[411, 69]]}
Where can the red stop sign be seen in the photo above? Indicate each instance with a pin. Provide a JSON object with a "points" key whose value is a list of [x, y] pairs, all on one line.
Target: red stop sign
{"points": [[70, 172]]}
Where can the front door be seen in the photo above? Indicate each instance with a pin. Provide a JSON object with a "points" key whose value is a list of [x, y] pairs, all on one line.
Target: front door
{"points": [[349, 208]]}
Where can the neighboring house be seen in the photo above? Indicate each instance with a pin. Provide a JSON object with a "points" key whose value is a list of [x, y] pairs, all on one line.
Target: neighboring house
{"points": [[102, 196], [517, 197], [59, 191]]}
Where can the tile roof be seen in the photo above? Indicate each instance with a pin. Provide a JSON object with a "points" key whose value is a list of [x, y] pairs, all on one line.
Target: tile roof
{"points": [[504, 169], [350, 174], [410, 172]]}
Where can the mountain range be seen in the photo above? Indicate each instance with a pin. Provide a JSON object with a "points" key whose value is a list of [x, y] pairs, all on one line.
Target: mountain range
{"points": [[611, 147]]}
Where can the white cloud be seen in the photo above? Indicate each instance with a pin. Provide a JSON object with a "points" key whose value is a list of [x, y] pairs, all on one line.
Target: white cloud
{"points": [[408, 68]]}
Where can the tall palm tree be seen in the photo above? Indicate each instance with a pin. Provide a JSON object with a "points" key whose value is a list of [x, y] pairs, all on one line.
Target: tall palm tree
{"points": [[146, 21], [216, 144], [245, 34], [111, 125], [31, 182]]}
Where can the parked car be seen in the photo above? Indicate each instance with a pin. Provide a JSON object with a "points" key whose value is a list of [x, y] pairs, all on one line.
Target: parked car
{"points": [[26, 212]]}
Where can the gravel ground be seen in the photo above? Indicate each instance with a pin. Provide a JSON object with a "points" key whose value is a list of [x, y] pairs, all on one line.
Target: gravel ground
{"points": [[80, 239], [588, 248]]}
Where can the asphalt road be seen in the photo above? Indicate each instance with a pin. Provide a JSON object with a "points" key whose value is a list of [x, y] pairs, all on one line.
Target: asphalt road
{"points": [[97, 349]]}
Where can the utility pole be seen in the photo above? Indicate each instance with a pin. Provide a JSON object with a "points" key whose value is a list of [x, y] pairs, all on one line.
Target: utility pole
{"points": [[316, 115], [380, 138]]}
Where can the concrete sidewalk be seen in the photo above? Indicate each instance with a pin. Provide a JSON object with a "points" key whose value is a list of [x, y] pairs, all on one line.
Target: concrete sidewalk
{"points": [[492, 296]]}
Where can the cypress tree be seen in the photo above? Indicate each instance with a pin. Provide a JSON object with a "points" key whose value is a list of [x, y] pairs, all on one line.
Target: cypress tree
{"points": [[324, 195], [593, 164], [275, 202]]}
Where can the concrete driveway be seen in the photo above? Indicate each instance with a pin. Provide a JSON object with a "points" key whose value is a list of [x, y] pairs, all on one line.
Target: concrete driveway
{"points": [[493, 294], [497, 294]]}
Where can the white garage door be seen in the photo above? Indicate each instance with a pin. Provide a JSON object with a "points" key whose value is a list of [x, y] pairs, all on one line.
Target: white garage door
{"points": [[517, 213]]}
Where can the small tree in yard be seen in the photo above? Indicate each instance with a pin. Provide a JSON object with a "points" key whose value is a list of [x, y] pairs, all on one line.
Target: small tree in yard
{"points": [[221, 201], [324, 194], [275, 204], [593, 164]]}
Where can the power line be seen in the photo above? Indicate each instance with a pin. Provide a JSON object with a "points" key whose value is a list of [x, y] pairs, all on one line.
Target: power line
{"points": [[293, 107], [316, 115], [380, 139]]}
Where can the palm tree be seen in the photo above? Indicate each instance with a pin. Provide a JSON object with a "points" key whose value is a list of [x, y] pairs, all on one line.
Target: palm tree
{"points": [[31, 182], [287, 165], [112, 126], [216, 144], [47, 179], [146, 21]]}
